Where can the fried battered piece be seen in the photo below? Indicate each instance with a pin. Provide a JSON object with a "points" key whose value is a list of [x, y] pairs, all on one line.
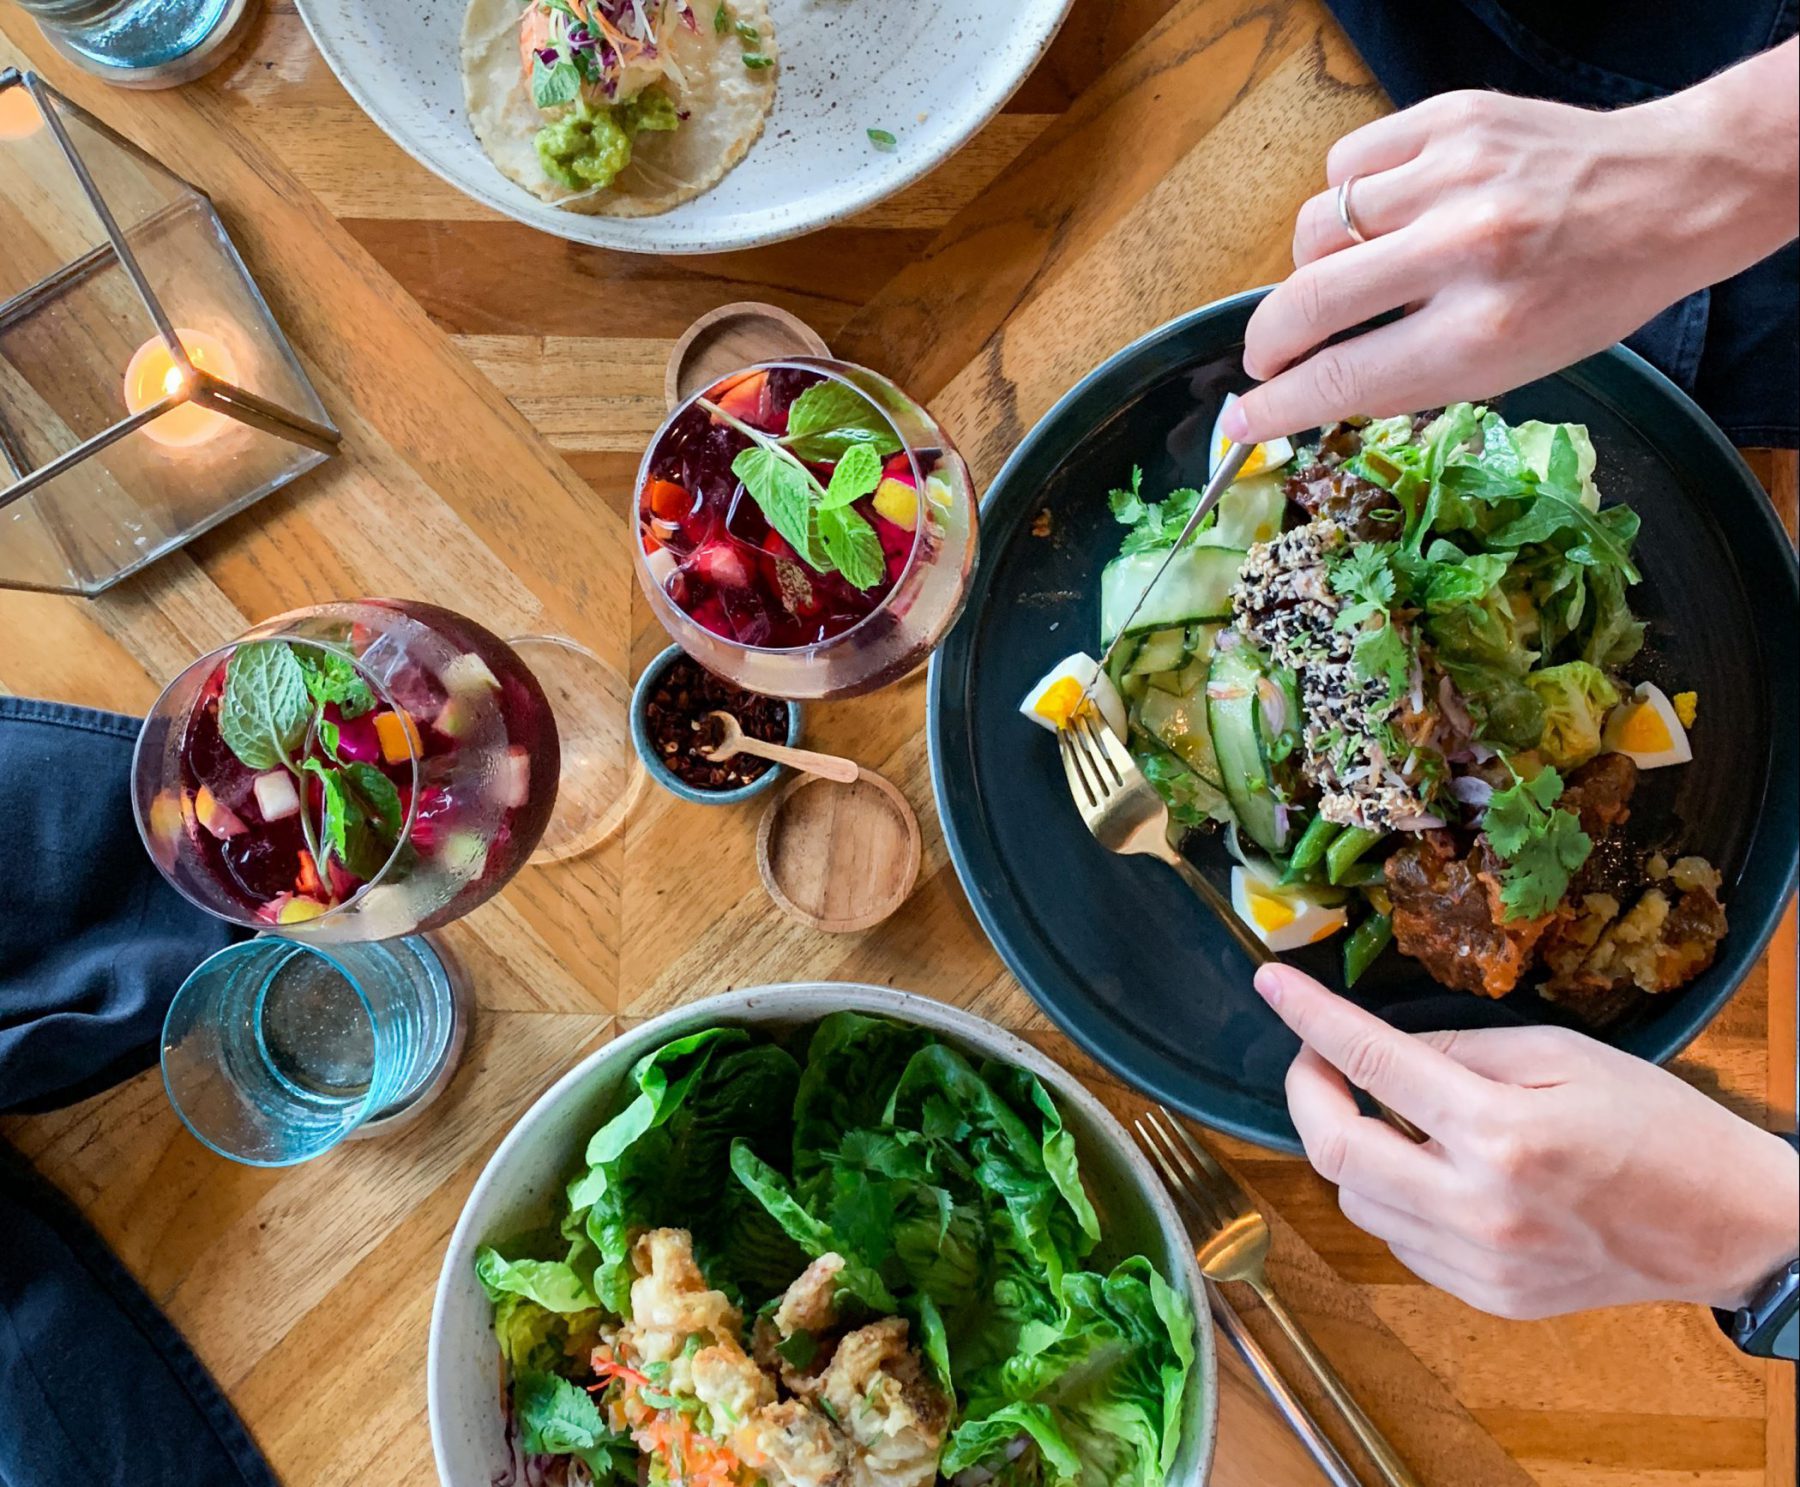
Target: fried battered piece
{"points": [[877, 1388], [790, 1445]]}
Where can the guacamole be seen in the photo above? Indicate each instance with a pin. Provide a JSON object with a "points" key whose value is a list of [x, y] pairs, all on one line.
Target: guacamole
{"points": [[588, 147]]}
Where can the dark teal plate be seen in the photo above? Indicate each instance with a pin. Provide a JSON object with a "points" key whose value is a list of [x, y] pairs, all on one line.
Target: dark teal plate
{"points": [[1117, 950]]}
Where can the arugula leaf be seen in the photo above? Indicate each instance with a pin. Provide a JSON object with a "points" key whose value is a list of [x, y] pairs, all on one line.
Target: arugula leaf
{"points": [[857, 473], [853, 546], [829, 417], [1601, 540], [551, 87], [784, 493], [1541, 846], [331, 676], [264, 710]]}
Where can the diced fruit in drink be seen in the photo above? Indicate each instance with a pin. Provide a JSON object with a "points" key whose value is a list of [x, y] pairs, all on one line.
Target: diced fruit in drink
{"points": [[469, 673], [307, 879], [512, 786], [662, 565], [743, 399], [357, 740], [343, 883], [459, 716], [218, 819], [167, 816], [899, 467], [721, 565], [276, 796], [898, 502], [464, 853], [299, 910], [938, 493], [399, 736], [668, 501]]}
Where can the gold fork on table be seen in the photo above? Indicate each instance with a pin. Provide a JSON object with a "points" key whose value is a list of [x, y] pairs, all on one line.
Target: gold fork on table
{"points": [[1231, 1242], [1126, 815]]}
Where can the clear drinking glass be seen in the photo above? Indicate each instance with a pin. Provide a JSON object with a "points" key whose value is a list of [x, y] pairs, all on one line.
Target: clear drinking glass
{"points": [[274, 1051], [736, 596], [142, 43], [353, 771]]}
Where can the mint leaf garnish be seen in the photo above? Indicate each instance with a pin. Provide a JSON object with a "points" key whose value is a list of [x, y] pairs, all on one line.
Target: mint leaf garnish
{"points": [[853, 546], [857, 473], [784, 491], [331, 676], [829, 417], [265, 709], [362, 815], [552, 87]]}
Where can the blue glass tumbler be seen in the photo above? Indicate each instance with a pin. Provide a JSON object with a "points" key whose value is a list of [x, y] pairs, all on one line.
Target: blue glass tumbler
{"points": [[274, 1051], [143, 43]]}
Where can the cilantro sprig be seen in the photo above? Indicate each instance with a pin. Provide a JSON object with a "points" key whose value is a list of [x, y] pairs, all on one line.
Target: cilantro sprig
{"points": [[1155, 525], [827, 424], [1542, 845], [1382, 653]]}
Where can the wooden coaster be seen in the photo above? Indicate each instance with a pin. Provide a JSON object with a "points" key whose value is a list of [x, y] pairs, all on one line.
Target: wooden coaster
{"points": [[838, 857], [730, 338]]}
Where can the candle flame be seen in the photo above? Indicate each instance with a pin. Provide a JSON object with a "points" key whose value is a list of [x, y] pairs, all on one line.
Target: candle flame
{"points": [[154, 375]]}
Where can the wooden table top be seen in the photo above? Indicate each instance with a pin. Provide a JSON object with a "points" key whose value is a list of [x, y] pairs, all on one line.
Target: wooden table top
{"points": [[496, 388]]}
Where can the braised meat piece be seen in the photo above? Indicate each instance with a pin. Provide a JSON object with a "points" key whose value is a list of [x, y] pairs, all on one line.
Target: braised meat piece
{"points": [[1600, 793], [1447, 916]]}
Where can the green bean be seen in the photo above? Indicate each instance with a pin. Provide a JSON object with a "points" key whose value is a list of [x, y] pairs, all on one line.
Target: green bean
{"points": [[1364, 875], [1353, 843], [1310, 848], [1365, 944]]}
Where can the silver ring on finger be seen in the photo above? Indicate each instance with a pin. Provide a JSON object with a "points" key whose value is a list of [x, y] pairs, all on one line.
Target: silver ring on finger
{"points": [[1345, 215]]}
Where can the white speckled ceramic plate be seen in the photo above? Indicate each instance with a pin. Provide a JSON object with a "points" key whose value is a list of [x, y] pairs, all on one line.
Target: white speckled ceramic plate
{"points": [[931, 72]]}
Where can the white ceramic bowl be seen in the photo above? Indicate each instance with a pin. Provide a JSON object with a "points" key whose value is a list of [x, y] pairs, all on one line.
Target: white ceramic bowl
{"points": [[931, 74], [520, 1182]]}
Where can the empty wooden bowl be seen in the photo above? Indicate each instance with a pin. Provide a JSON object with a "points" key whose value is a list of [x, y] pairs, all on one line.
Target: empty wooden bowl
{"points": [[839, 858], [730, 338]]}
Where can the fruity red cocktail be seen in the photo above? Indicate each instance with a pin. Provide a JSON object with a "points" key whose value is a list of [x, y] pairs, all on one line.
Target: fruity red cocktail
{"points": [[805, 529], [353, 771]]}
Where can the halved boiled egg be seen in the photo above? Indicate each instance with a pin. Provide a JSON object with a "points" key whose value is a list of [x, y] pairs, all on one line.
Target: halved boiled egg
{"points": [[1270, 456], [1056, 701], [1283, 918], [1647, 730]]}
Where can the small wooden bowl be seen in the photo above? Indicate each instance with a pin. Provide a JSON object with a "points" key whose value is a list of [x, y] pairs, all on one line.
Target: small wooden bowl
{"points": [[730, 338], [839, 857]]}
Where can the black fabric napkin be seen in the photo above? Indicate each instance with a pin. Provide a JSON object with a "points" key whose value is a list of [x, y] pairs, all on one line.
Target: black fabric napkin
{"points": [[95, 1385], [1734, 347]]}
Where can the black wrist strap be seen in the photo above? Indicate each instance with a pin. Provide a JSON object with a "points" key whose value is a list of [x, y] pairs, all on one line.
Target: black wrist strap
{"points": [[1769, 1327]]}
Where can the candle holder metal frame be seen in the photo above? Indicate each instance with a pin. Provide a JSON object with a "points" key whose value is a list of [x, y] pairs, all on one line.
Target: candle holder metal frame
{"points": [[312, 434]]}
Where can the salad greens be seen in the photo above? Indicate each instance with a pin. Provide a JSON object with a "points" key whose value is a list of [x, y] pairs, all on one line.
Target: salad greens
{"points": [[1451, 601], [951, 1189]]}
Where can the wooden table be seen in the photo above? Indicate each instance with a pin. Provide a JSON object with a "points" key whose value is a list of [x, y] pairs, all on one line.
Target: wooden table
{"points": [[496, 388]]}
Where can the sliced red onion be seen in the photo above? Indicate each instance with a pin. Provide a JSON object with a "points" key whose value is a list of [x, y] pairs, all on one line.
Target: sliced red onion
{"points": [[1479, 752], [1418, 687], [1274, 707], [1471, 789], [1418, 823], [1229, 639], [1451, 703], [1282, 819]]}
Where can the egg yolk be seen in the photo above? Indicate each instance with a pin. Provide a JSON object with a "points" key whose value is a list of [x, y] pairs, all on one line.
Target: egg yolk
{"points": [[1687, 707], [1644, 731], [1330, 928], [1270, 913], [1060, 702], [1254, 465]]}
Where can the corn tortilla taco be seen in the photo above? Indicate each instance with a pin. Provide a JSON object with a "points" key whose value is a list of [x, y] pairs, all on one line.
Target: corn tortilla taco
{"points": [[618, 108]]}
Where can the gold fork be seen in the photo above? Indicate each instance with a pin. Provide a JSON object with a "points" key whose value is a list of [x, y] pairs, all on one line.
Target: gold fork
{"points": [[1126, 815], [1232, 1243]]}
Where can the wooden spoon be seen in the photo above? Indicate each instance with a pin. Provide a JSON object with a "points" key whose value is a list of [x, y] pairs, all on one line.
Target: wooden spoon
{"points": [[733, 740]]}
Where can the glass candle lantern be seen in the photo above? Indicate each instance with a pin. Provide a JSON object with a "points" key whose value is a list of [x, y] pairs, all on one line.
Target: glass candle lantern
{"points": [[146, 392]]}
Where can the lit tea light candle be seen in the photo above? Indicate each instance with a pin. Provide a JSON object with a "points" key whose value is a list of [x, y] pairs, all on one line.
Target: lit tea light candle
{"points": [[153, 375], [19, 116]]}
